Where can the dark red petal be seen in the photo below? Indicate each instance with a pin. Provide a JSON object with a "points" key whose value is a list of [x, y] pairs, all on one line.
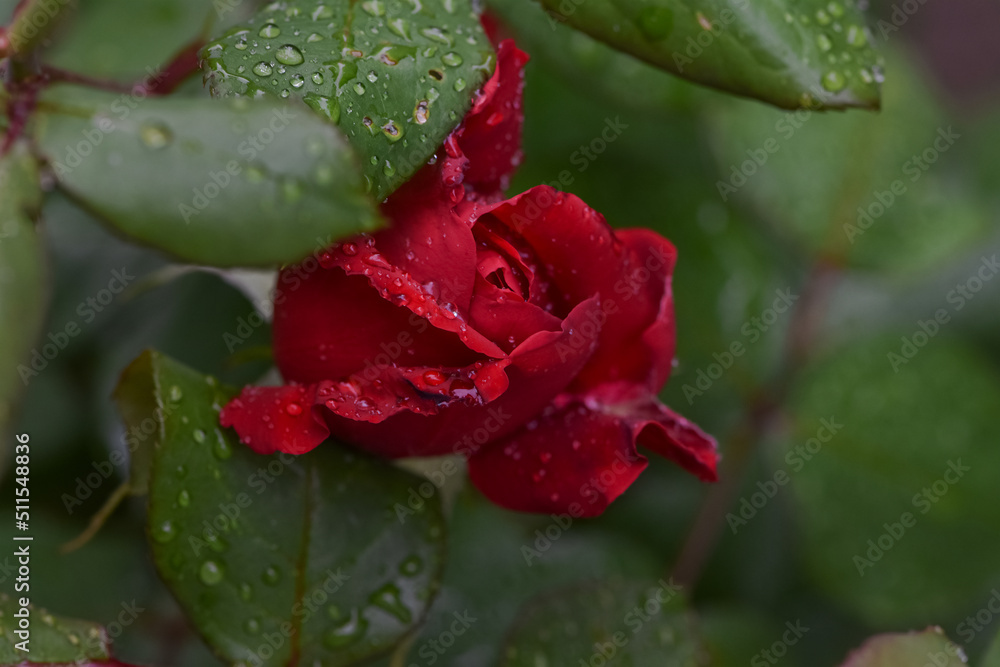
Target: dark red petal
{"points": [[581, 454], [490, 136], [429, 240], [362, 257], [328, 325], [506, 318], [630, 271], [512, 391], [271, 419], [570, 460]]}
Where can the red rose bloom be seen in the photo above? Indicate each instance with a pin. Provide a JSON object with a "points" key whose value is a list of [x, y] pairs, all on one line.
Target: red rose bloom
{"points": [[525, 334]]}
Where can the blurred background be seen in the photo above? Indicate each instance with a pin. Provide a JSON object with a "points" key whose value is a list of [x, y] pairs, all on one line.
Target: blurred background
{"points": [[854, 406]]}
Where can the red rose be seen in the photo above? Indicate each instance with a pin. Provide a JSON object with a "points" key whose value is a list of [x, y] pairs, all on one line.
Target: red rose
{"points": [[524, 334]]}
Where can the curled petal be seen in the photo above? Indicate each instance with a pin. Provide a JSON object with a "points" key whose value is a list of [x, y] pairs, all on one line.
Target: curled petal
{"points": [[328, 325], [581, 454], [630, 270], [511, 391], [490, 136]]}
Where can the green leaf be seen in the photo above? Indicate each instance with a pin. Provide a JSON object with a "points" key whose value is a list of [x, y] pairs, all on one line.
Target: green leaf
{"points": [[813, 54], [930, 647], [875, 191], [23, 289], [992, 657], [51, 640], [891, 469], [614, 623], [396, 75], [235, 183], [294, 560], [606, 73]]}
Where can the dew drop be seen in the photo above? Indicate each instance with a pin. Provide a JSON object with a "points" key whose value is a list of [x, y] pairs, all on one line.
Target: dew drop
{"points": [[246, 592], [434, 378], [359, 88], [293, 409], [460, 84], [269, 31], [252, 627], [262, 69], [176, 394], [221, 448], [184, 498], [325, 106], [388, 599], [822, 17], [411, 566], [289, 55], [164, 532], [347, 632], [856, 37], [823, 42], [198, 435], [834, 81], [271, 576], [317, 78], [155, 135], [297, 81], [210, 573], [451, 59], [388, 169]]}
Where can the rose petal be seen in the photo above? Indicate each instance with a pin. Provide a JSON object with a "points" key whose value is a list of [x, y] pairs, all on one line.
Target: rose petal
{"points": [[490, 135], [570, 460], [328, 325], [630, 271], [506, 318], [581, 455], [271, 419], [513, 390]]}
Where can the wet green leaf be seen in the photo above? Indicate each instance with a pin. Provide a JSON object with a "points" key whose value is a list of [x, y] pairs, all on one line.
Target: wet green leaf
{"points": [[396, 75], [608, 623], [221, 183], [50, 640], [875, 191], [791, 54], [286, 560]]}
